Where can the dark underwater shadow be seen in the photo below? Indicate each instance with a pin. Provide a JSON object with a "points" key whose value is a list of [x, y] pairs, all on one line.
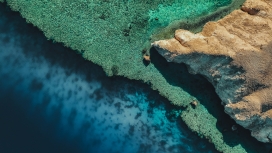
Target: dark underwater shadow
{"points": [[196, 85], [20, 132], [24, 132]]}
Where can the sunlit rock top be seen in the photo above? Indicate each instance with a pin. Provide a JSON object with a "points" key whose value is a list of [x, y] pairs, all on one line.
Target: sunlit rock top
{"points": [[235, 55]]}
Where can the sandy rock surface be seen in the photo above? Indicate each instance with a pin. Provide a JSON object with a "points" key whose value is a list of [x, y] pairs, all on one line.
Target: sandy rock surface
{"points": [[235, 55]]}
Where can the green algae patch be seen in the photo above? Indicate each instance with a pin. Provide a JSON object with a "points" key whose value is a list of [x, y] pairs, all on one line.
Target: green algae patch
{"points": [[195, 118], [197, 18], [110, 33], [114, 35], [223, 138], [181, 10]]}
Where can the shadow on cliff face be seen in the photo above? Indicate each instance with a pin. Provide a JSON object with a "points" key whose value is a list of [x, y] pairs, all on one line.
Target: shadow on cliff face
{"points": [[57, 54], [196, 85]]}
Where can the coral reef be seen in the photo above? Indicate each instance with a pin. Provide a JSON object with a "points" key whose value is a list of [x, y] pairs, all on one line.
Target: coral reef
{"points": [[234, 54], [114, 34]]}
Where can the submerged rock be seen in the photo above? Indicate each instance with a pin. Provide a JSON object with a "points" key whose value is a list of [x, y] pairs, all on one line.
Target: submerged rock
{"points": [[235, 55], [80, 25], [146, 58]]}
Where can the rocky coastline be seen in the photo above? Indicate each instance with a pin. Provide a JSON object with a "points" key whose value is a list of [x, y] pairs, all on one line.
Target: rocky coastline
{"points": [[120, 48], [234, 54]]}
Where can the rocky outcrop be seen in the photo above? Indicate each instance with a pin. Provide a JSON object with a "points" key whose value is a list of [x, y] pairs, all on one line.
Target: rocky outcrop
{"points": [[235, 55]]}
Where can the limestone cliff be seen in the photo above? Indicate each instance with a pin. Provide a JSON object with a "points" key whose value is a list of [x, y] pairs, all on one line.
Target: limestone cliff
{"points": [[235, 55]]}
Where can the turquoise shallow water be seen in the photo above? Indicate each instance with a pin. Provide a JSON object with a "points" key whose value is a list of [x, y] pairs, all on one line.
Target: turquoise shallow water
{"points": [[114, 41], [183, 10], [52, 100]]}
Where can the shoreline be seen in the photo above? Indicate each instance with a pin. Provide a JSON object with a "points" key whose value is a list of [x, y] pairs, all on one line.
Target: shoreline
{"points": [[175, 94]]}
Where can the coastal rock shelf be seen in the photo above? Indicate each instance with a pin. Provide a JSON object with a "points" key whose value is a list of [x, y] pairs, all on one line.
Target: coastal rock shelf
{"points": [[117, 35], [235, 55]]}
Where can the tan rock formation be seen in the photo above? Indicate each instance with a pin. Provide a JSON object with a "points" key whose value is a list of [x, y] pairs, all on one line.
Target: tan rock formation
{"points": [[235, 55]]}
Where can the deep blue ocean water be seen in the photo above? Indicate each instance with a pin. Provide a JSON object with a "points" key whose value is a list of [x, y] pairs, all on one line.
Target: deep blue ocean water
{"points": [[52, 100]]}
